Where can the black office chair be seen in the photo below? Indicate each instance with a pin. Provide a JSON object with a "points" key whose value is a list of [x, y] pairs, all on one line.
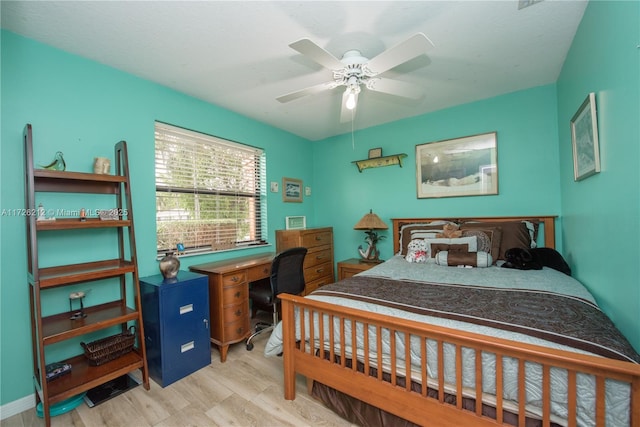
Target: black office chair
{"points": [[287, 276]]}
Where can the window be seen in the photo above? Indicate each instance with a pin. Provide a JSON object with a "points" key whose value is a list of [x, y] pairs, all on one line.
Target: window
{"points": [[209, 192]]}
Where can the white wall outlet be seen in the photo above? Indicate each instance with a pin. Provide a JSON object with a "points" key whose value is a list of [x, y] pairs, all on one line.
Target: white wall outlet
{"points": [[274, 187], [307, 191]]}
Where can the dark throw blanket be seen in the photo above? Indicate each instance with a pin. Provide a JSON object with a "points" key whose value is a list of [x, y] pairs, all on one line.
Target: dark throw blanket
{"points": [[557, 318]]}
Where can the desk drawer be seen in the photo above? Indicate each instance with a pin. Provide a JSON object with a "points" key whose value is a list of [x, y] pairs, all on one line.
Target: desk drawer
{"points": [[235, 331], [232, 295], [259, 272], [234, 313], [311, 240], [317, 257], [234, 278], [318, 271]]}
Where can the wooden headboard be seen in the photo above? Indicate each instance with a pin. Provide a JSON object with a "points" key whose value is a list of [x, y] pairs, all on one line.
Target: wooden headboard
{"points": [[547, 226]]}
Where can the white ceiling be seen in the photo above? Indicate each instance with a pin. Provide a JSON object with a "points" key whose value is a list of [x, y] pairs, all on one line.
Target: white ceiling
{"points": [[235, 54]]}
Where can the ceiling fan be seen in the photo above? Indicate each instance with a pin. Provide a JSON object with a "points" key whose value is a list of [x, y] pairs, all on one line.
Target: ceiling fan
{"points": [[354, 71]]}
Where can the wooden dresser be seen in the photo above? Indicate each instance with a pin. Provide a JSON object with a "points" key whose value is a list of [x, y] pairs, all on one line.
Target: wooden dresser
{"points": [[229, 282], [318, 264]]}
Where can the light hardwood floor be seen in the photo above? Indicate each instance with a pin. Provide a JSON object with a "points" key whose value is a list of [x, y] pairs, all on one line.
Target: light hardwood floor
{"points": [[246, 390]]}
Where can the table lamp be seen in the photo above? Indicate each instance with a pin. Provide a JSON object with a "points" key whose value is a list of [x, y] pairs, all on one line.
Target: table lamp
{"points": [[370, 222]]}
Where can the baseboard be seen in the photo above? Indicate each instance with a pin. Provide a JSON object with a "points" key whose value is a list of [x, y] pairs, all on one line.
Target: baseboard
{"points": [[14, 408]]}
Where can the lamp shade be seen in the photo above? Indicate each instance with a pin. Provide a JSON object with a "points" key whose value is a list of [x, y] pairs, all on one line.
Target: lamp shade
{"points": [[370, 221]]}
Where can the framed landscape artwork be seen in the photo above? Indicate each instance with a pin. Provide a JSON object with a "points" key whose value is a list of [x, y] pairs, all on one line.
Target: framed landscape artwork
{"points": [[291, 190], [465, 166], [584, 139]]}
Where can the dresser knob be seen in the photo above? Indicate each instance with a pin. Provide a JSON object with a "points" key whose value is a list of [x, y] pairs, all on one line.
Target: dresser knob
{"points": [[239, 331], [238, 313], [237, 294], [235, 279]]}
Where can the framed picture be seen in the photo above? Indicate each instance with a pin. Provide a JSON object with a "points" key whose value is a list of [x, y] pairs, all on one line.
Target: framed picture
{"points": [[584, 139], [374, 153], [465, 166], [296, 222], [291, 190]]}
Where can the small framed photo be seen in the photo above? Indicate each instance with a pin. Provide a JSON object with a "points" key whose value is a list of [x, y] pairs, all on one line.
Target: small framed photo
{"points": [[296, 222], [291, 190], [584, 139], [374, 153]]}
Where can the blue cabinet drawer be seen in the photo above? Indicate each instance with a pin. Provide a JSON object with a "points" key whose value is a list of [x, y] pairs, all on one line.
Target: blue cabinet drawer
{"points": [[176, 322]]}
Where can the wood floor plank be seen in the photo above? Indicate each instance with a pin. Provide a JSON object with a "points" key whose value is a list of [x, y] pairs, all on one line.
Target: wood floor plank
{"points": [[246, 390]]}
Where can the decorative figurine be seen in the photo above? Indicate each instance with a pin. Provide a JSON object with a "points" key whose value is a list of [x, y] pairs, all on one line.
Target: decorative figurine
{"points": [[57, 164], [101, 165], [180, 247], [80, 313]]}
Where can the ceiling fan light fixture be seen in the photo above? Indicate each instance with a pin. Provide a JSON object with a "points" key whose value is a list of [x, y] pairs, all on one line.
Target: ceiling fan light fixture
{"points": [[351, 99]]}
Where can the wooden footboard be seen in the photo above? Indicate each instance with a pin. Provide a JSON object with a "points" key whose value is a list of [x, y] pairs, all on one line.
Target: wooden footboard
{"points": [[397, 396]]}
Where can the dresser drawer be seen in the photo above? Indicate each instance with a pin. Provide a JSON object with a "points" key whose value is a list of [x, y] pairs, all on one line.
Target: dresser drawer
{"points": [[318, 271], [232, 295], [317, 257], [319, 238], [315, 284], [234, 278]]}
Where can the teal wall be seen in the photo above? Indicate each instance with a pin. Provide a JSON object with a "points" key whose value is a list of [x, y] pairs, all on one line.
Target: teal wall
{"points": [[525, 123], [602, 213], [82, 108]]}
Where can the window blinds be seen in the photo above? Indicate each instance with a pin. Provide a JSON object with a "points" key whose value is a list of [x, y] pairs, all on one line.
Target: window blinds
{"points": [[209, 191]]}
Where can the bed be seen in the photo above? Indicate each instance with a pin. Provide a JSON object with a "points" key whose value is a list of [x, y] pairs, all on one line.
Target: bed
{"points": [[372, 346]]}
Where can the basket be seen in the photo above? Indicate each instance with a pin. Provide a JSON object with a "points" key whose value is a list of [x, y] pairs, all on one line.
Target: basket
{"points": [[103, 350]]}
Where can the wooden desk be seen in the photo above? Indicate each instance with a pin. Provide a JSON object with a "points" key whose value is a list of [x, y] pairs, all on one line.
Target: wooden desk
{"points": [[229, 296]]}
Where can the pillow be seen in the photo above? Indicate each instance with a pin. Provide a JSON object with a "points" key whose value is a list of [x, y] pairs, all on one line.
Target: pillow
{"points": [[407, 229], [495, 237], [466, 244], [515, 234], [417, 251], [473, 259]]}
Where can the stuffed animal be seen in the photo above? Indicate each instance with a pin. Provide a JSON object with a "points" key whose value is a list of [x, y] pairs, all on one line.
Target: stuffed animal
{"points": [[450, 231]]}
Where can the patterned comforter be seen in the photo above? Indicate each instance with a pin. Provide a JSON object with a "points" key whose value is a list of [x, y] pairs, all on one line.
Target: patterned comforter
{"points": [[542, 307]]}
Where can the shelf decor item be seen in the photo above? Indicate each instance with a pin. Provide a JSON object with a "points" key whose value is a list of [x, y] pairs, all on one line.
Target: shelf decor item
{"points": [[101, 165], [584, 139], [374, 153], [169, 265], [466, 166], [103, 350], [379, 161]]}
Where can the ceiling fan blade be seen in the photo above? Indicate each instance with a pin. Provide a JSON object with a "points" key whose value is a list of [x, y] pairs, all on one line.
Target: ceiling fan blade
{"points": [[347, 115], [318, 54], [416, 45], [311, 90], [396, 88]]}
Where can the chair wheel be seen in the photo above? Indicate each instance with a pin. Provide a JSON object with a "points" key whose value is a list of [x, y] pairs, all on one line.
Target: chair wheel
{"points": [[249, 346]]}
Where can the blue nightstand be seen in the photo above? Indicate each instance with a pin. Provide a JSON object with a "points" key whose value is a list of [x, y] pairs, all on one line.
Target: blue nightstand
{"points": [[175, 313]]}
